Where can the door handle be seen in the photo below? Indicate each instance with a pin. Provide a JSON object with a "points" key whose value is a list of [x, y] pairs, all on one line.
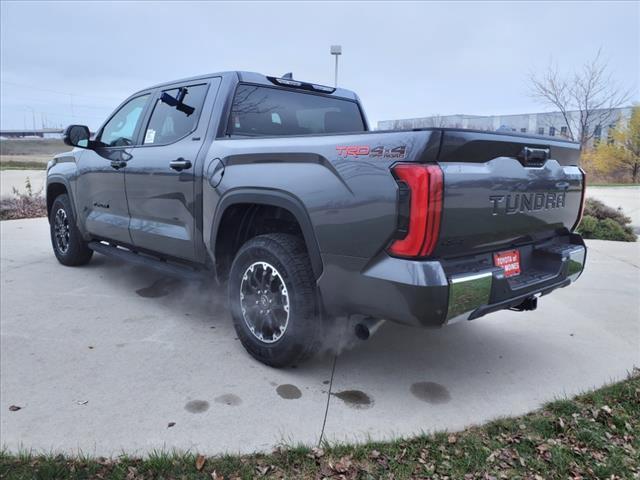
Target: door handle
{"points": [[118, 164], [180, 164]]}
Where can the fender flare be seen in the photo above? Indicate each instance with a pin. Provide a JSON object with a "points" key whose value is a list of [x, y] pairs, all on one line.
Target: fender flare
{"points": [[276, 198], [52, 179]]}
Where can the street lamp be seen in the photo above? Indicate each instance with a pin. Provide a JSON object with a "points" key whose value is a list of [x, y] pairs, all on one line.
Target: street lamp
{"points": [[337, 51]]}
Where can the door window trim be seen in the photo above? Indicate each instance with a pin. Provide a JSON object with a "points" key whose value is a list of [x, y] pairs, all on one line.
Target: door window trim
{"points": [[156, 99], [136, 131]]}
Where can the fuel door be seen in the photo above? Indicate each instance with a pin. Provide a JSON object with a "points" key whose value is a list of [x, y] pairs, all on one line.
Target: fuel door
{"points": [[215, 171]]}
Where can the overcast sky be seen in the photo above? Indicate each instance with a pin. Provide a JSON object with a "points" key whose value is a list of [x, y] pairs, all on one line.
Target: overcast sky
{"points": [[403, 59]]}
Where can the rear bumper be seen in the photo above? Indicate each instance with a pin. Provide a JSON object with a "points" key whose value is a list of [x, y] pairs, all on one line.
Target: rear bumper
{"points": [[436, 293]]}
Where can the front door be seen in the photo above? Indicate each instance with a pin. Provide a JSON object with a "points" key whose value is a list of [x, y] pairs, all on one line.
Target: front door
{"points": [[102, 202], [160, 177]]}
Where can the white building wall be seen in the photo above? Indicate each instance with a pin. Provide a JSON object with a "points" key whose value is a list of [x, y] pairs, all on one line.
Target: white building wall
{"points": [[547, 123]]}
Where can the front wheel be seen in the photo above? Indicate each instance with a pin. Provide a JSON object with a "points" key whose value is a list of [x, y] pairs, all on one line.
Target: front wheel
{"points": [[68, 246], [273, 300]]}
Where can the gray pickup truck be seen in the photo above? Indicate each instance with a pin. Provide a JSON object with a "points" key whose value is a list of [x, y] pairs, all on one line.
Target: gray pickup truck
{"points": [[278, 188]]}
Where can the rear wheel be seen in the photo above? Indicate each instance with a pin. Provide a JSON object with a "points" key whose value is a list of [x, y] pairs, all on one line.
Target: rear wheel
{"points": [[68, 246], [273, 300]]}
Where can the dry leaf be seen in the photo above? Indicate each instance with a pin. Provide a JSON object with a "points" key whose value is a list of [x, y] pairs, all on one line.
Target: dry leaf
{"points": [[262, 470], [452, 439], [15, 408], [200, 462]]}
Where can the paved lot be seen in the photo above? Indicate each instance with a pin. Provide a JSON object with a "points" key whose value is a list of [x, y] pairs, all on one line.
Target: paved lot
{"points": [[102, 358]]}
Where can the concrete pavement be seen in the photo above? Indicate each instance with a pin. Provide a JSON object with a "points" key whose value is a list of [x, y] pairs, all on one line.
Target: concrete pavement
{"points": [[102, 358]]}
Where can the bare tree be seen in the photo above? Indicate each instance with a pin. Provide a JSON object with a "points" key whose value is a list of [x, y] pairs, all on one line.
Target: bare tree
{"points": [[590, 92], [436, 121]]}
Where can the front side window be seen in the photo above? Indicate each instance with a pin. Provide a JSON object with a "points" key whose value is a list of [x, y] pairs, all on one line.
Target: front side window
{"points": [[175, 114], [264, 111], [119, 130], [552, 131]]}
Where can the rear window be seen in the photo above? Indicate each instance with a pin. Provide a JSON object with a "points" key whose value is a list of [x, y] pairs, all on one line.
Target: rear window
{"points": [[259, 111]]}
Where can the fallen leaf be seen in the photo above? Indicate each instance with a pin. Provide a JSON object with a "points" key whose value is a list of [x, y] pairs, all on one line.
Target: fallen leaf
{"points": [[263, 469], [171, 424], [452, 439], [343, 465], [15, 408], [200, 459], [215, 476], [82, 402]]}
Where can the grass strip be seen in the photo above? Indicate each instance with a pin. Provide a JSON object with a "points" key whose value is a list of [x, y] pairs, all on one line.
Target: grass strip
{"points": [[594, 435]]}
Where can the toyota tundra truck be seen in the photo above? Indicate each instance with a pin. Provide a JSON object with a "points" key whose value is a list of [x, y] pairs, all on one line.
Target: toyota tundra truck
{"points": [[278, 188]]}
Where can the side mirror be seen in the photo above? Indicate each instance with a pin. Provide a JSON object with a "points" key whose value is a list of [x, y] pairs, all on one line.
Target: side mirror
{"points": [[77, 136]]}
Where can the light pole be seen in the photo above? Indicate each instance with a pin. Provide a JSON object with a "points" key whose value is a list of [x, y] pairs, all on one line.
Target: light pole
{"points": [[337, 51]]}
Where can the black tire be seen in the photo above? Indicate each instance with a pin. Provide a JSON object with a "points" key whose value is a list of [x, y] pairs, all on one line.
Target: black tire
{"points": [[68, 246], [300, 339]]}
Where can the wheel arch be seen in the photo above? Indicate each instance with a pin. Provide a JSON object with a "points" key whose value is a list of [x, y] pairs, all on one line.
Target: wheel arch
{"points": [[57, 186], [270, 198]]}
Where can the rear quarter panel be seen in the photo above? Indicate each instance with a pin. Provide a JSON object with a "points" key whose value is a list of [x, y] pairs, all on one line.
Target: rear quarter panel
{"points": [[350, 199]]}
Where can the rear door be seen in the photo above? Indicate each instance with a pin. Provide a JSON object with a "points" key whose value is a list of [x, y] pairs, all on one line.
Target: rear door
{"points": [[160, 177]]}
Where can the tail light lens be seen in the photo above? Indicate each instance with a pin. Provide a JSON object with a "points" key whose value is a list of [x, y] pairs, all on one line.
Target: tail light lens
{"points": [[584, 198], [424, 183]]}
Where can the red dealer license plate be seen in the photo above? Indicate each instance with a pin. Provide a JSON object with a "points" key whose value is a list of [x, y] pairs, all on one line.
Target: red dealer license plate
{"points": [[509, 261]]}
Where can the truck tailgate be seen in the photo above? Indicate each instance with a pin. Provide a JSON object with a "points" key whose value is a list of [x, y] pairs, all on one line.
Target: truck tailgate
{"points": [[497, 193]]}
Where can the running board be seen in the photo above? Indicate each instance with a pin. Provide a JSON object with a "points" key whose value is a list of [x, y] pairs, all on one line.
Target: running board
{"points": [[171, 269]]}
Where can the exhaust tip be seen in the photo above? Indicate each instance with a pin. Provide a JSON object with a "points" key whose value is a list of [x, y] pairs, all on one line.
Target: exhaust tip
{"points": [[362, 331], [367, 327]]}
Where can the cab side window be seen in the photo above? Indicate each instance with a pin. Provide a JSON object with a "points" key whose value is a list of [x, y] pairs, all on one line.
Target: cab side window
{"points": [[119, 130], [175, 114]]}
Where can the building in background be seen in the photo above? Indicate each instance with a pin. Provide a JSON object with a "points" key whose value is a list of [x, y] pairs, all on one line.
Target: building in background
{"points": [[549, 124]]}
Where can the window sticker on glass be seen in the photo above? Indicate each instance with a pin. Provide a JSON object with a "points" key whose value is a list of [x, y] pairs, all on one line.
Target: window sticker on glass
{"points": [[150, 136]]}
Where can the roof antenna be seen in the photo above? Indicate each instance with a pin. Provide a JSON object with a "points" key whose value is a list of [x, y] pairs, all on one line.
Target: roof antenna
{"points": [[288, 76]]}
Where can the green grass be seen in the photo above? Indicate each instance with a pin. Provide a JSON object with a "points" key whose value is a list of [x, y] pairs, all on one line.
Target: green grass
{"points": [[595, 435], [22, 165]]}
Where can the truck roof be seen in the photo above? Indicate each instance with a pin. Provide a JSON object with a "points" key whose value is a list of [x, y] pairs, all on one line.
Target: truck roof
{"points": [[249, 77]]}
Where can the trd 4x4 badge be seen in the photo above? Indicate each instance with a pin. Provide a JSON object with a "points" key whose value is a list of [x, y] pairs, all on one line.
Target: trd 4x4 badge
{"points": [[377, 152], [395, 152]]}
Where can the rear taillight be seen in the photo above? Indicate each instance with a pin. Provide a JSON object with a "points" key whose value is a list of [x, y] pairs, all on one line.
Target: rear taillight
{"points": [[424, 184], [584, 197]]}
